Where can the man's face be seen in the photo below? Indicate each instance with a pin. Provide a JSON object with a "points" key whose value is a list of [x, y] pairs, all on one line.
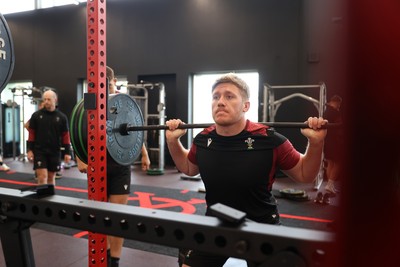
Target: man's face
{"points": [[228, 105], [112, 86], [49, 100], [335, 105]]}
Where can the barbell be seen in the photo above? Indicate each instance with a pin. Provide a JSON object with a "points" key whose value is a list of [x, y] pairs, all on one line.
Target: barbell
{"points": [[125, 126]]}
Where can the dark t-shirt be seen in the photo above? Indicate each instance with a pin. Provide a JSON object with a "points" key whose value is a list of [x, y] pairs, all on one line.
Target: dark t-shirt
{"points": [[239, 170], [49, 131]]}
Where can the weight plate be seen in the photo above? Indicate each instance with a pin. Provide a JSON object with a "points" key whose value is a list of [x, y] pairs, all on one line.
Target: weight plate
{"points": [[81, 123], [123, 148], [78, 117], [123, 109], [6, 53], [291, 192]]}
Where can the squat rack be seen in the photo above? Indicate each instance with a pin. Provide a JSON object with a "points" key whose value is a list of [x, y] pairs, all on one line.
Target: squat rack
{"points": [[271, 106], [143, 103]]}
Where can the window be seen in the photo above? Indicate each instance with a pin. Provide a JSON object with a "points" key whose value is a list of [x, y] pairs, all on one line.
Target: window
{"points": [[18, 95], [13, 6]]}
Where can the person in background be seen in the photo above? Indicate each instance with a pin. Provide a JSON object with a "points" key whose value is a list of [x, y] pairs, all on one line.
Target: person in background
{"points": [[118, 184], [48, 133], [3, 166], [237, 160], [333, 144], [26, 125]]}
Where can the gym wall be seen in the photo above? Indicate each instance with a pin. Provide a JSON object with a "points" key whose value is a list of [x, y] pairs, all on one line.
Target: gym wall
{"points": [[159, 37]]}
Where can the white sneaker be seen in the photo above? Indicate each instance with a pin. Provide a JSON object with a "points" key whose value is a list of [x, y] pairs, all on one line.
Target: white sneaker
{"points": [[4, 167]]}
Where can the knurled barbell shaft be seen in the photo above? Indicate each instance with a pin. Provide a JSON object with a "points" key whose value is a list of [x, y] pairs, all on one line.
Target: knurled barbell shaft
{"points": [[125, 128]]}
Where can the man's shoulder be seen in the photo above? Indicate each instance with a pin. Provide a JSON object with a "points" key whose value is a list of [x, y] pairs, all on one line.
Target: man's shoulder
{"points": [[256, 128], [265, 132], [37, 113], [60, 113]]}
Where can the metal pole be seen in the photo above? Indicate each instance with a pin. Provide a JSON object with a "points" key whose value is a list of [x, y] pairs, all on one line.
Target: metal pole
{"points": [[96, 76], [13, 123], [22, 156], [161, 136]]}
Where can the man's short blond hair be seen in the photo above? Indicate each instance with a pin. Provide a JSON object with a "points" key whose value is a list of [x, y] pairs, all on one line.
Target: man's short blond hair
{"points": [[232, 78], [110, 73]]}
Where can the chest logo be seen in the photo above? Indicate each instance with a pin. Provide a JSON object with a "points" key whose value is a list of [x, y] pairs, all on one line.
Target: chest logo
{"points": [[209, 141], [249, 142]]}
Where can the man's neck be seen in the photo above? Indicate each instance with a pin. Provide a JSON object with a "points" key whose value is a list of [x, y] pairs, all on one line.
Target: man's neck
{"points": [[231, 130]]}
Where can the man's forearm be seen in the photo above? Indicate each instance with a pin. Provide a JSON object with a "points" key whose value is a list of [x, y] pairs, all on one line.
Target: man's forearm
{"points": [[312, 160]]}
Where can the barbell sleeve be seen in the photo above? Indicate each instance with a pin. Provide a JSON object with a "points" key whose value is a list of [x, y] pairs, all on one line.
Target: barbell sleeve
{"points": [[125, 128]]}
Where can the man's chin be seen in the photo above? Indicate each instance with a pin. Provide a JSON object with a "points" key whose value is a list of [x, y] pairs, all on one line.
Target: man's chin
{"points": [[223, 122]]}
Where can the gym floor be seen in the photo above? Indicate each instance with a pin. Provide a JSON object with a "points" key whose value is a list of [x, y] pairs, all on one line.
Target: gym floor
{"points": [[68, 251]]}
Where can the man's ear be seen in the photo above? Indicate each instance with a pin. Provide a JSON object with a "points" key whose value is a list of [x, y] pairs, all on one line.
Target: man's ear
{"points": [[246, 106]]}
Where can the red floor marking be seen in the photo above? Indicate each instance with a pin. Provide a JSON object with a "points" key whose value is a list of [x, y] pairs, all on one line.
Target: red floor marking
{"points": [[80, 234], [71, 189], [15, 182], [57, 187], [149, 200], [196, 201], [184, 191], [304, 218]]}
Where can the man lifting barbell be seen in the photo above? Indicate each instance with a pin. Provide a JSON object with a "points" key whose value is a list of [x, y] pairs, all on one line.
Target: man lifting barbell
{"points": [[237, 159]]}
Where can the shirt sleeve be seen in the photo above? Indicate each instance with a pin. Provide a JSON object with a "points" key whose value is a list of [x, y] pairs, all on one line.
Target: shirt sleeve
{"points": [[192, 154], [287, 156]]}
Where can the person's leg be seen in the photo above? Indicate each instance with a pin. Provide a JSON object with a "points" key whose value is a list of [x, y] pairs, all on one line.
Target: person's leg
{"points": [[53, 166], [41, 174], [40, 165], [332, 172], [115, 243], [328, 168], [51, 177], [3, 166], [58, 174]]}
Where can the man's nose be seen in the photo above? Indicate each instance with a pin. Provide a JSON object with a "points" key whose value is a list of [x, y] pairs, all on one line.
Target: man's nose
{"points": [[221, 101]]}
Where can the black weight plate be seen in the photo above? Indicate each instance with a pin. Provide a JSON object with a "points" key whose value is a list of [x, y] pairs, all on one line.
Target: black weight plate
{"points": [[6, 53], [123, 109], [291, 192], [78, 118], [81, 124]]}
